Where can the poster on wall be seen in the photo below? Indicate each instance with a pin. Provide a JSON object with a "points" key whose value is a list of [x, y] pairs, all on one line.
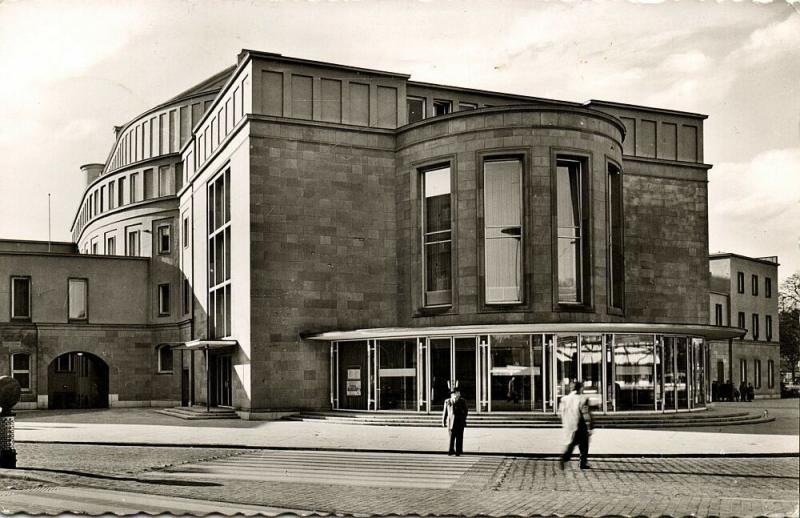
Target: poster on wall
{"points": [[354, 382]]}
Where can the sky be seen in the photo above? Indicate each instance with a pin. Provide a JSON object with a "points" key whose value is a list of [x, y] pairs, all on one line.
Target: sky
{"points": [[71, 70]]}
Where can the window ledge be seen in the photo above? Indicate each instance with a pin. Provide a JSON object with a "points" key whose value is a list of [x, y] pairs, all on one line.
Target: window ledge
{"points": [[566, 307], [616, 311]]}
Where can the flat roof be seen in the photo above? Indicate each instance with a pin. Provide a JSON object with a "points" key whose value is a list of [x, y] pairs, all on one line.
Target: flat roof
{"points": [[703, 330], [727, 255]]}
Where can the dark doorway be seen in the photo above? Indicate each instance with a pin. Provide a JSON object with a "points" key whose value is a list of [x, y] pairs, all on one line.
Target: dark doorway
{"points": [[77, 380], [185, 387], [221, 367]]}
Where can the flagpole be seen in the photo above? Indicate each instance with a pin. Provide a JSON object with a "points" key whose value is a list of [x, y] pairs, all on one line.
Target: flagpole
{"points": [[48, 222]]}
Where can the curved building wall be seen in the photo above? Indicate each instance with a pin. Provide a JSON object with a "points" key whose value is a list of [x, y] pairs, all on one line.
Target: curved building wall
{"points": [[536, 137]]}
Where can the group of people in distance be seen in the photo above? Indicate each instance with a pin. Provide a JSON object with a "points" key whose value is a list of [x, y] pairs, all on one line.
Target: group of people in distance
{"points": [[728, 392], [576, 421]]}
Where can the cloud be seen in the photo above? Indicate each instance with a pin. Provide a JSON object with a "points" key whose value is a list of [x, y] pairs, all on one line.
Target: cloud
{"points": [[754, 207], [768, 43]]}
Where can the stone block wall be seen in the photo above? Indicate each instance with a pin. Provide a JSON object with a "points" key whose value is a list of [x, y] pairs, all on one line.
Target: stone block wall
{"points": [[323, 251], [748, 351]]}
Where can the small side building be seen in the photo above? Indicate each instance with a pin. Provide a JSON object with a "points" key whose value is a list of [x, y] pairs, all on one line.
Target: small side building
{"points": [[743, 293]]}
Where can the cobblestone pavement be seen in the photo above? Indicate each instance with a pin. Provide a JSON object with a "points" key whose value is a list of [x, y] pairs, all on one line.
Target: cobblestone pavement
{"points": [[473, 485]]}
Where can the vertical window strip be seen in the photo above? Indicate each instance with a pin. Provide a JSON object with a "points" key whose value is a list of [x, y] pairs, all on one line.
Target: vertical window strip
{"points": [[569, 215], [20, 297], [21, 369], [616, 269], [437, 237], [502, 194], [219, 255]]}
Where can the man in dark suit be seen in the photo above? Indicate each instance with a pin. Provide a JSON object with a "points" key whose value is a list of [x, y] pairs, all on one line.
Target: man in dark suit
{"points": [[454, 417]]}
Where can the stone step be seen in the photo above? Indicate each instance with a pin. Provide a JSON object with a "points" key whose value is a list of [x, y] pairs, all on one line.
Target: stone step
{"points": [[199, 413]]}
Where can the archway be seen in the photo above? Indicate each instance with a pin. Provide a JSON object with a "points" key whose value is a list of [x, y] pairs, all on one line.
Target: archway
{"points": [[77, 380]]}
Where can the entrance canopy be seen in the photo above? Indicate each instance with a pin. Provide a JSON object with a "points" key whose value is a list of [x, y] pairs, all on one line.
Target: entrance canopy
{"points": [[195, 345], [706, 331]]}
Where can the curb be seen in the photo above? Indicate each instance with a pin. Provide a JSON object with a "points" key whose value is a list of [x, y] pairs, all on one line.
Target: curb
{"points": [[420, 452]]}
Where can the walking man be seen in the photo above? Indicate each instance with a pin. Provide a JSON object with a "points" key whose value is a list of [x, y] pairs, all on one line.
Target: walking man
{"points": [[454, 417], [576, 420]]}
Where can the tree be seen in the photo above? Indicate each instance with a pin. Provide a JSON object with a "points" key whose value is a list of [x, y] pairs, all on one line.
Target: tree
{"points": [[789, 322]]}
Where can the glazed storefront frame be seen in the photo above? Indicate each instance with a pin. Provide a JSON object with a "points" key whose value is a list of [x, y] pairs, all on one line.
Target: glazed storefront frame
{"points": [[521, 372]]}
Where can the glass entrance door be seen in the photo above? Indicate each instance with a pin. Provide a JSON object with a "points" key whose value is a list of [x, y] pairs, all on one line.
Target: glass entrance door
{"points": [[452, 361], [221, 380]]}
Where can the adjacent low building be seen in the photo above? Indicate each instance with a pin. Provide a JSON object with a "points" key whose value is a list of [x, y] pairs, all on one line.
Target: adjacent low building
{"points": [[292, 234], [744, 294]]}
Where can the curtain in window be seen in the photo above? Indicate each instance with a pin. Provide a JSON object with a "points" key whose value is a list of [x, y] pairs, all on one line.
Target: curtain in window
{"points": [[502, 189]]}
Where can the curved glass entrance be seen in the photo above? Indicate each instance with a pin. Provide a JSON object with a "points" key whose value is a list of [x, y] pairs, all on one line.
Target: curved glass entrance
{"points": [[518, 372]]}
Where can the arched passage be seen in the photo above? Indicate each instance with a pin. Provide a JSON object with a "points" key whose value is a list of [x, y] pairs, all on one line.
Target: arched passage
{"points": [[77, 380]]}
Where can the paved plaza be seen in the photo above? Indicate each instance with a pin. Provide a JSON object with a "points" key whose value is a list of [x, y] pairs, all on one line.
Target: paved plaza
{"points": [[307, 468]]}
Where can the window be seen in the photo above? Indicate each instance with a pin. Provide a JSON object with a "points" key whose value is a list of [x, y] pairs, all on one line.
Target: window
{"points": [[78, 294], [134, 187], [416, 109], [740, 322], [768, 327], [740, 282], [95, 247], [743, 370], [754, 282], [96, 198], [102, 198], [185, 231], [148, 187], [467, 106], [219, 256], [111, 245], [163, 300], [570, 210], [187, 297], [616, 269], [112, 195], [442, 107], [502, 207], [21, 370], [768, 287], [120, 192], [64, 363], [437, 237], [164, 358], [770, 374], [754, 330], [133, 243], [20, 297], [166, 181], [757, 374], [718, 314], [163, 239], [720, 371]]}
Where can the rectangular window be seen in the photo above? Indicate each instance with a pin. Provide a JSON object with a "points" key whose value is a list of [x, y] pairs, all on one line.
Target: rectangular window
{"points": [[20, 297], [502, 205], [134, 195], [112, 195], [78, 299], [437, 237], [442, 107], [718, 314], [570, 210], [185, 231], [111, 245], [743, 370], [219, 256], [415, 106], [768, 287], [754, 331], [740, 282], [103, 198], [616, 268], [757, 374], [132, 244], [95, 247], [163, 239], [148, 187], [120, 192], [754, 282], [770, 374], [163, 300], [467, 106], [165, 358], [21, 370], [187, 297], [166, 181], [768, 327], [96, 198]]}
